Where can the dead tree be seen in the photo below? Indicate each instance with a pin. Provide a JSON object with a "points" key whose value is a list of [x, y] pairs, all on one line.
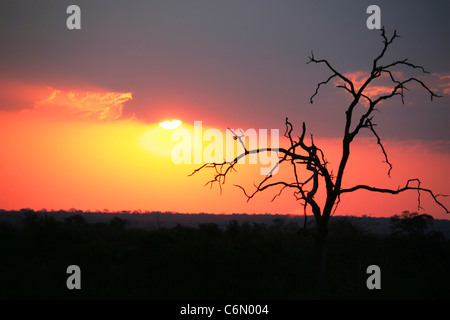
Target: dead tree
{"points": [[308, 158]]}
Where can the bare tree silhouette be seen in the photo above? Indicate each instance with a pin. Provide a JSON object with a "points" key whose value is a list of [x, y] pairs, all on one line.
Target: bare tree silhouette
{"points": [[312, 158]]}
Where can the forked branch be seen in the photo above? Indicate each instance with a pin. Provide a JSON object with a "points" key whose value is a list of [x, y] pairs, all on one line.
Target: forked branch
{"points": [[300, 154], [407, 187], [297, 154]]}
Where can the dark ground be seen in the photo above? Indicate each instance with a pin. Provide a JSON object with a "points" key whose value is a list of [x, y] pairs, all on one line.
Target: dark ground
{"points": [[172, 256]]}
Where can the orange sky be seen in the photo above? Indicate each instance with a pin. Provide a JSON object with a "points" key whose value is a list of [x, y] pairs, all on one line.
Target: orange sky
{"points": [[79, 109], [72, 149]]}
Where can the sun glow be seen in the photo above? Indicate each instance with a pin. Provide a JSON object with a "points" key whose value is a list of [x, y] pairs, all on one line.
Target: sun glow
{"points": [[158, 141], [170, 125]]}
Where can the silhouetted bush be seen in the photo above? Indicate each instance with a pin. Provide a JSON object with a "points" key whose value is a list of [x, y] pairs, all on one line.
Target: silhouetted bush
{"points": [[410, 223], [236, 261], [118, 223], [76, 220]]}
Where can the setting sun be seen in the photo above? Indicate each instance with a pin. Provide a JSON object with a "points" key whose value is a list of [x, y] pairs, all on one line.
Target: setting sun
{"points": [[170, 125]]}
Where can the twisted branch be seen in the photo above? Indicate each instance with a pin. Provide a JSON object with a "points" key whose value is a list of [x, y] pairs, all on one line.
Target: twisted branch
{"points": [[418, 188], [300, 154]]}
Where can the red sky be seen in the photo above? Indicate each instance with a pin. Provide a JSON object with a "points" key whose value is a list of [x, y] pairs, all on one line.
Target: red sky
{"points": [[79, 110], [70, 150]]}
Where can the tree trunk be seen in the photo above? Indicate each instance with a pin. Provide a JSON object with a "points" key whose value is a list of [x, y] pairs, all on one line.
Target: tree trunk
{"points": [[321, 239]]}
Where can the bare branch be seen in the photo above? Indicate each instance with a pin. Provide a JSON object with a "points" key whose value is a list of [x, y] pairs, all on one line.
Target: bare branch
{"points": [[418, 188], [386, 45], [344, 87], [299, 153], [403, 62], [334, 74], [236, 137], [323, 83], [401, 86], [337, 204], [371, 127]]}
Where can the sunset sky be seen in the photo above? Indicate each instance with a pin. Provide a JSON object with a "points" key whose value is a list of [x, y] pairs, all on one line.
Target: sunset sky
{"points": [[79, 109]]}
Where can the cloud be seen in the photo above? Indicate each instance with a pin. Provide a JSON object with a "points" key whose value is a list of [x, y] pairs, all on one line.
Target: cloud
{"points": [[384, 84], [444, 83], [91, 105], [98, 104], [15, 95], [373, 90]]}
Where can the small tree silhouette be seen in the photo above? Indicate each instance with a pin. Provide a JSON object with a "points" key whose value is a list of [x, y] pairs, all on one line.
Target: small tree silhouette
{"points": [[118, 223], [312, 158], [410, 223]]}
